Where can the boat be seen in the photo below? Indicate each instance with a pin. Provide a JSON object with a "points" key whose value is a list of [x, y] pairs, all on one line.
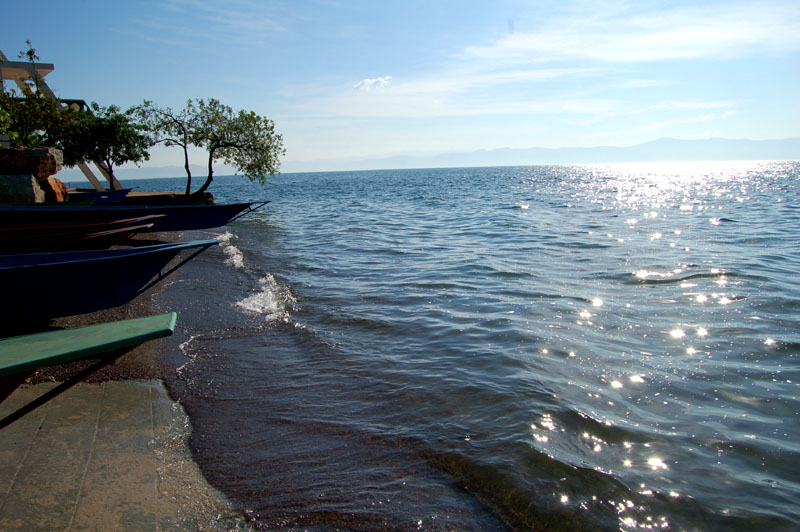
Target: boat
{"points": [[175, 217], [20, 356], [99, 197], [37, 237], [41, 286]]}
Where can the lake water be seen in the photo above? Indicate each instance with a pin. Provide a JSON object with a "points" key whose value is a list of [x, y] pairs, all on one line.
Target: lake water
{"points": [[554, 348]]}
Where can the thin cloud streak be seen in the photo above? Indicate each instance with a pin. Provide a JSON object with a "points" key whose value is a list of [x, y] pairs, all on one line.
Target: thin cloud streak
{"points": [[692, 120], [621, 37], [450, 94], [690, 105], [375, 105], [244, 21]]}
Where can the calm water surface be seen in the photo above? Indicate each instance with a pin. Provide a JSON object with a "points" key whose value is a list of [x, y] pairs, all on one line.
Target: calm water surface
{"points": [[579, 347]]}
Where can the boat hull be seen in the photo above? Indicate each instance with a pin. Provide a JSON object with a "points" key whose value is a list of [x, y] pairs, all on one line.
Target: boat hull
{"points": [[99, 197], [175, 217], [41, 237], [41, 286]]}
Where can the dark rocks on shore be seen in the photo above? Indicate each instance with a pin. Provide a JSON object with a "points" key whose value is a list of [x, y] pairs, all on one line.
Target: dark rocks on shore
{"points": [[41, 162], [25, 175], [22, 188]]}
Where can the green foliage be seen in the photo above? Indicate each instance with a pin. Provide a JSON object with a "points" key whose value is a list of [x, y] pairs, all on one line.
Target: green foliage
{"points": [[30, 118], [168, 127], [104, 135], [242, 139], [30, 53], [5, 125]]}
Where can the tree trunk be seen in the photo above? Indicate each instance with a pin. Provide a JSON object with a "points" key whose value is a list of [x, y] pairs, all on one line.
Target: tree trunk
{"points": [[210, 177], [188, 171], [108, 167]]}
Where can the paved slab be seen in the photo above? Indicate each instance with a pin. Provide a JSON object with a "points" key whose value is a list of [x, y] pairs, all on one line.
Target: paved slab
{"points": [[108, 456]]}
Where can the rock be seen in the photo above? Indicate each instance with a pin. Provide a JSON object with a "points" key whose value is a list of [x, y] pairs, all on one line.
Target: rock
{"points": [[22, 188], [42, 162], [55, 191]]}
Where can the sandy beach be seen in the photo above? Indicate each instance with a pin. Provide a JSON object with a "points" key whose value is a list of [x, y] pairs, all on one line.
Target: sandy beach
{"points": [[111, 453]]}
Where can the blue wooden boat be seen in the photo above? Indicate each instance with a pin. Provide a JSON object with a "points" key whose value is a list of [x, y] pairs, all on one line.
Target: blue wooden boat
{"points": [[175, 217], [41, 286], [100, 197], [39, 237]]}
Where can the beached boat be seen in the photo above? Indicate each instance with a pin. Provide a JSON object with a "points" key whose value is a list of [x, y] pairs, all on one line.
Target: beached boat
{"points": [[40, 286], [20, 356], [175, 217], [39, 237], [100, 197]]}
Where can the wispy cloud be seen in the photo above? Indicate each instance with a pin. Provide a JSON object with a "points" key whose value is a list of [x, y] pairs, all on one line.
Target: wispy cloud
{"points": [[628, 35], [187, 22], [455, 90], [505, 76], [691, 120], [695, 104], [637, 83]]}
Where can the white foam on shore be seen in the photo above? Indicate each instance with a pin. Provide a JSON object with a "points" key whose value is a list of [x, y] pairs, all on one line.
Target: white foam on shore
{"points": [[234, 254], [272, 300], [184, 347]]}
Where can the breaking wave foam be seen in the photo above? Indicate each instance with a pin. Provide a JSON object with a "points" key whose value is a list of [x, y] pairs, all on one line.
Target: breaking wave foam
{"points": [[272, 300], [234, 254]]}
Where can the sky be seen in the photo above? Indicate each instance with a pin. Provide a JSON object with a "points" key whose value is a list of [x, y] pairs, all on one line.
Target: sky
{"points": [[352, 80]]}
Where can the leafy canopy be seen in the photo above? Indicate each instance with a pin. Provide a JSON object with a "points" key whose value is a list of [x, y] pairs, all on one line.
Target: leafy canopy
{"points": [[104, 135], [242, 139]]}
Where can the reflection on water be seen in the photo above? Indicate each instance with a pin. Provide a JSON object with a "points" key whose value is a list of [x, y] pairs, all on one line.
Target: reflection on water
{"points": [[587, 347]]}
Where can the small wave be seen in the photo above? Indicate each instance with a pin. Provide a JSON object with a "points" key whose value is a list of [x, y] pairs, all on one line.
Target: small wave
{"points": [[272, 300], [677, 276], [234, 254], [184, 370]]}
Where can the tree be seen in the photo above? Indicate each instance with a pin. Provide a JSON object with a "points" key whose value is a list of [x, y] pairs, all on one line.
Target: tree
{"points": [[30, 120], [170, 128], [103, 135], [242, 139]]}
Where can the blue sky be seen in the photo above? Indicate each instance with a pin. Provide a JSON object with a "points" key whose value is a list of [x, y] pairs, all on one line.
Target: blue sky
{"points": [[367, 79]]}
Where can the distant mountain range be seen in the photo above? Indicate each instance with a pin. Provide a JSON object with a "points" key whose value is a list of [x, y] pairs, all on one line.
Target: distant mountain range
{"points": [[658, 150], [665, 149]]}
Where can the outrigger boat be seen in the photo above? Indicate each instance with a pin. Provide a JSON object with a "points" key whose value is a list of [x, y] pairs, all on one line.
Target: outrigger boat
{"points": [[99, 197], [41, 286], [40, 237], [175, 217]]}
